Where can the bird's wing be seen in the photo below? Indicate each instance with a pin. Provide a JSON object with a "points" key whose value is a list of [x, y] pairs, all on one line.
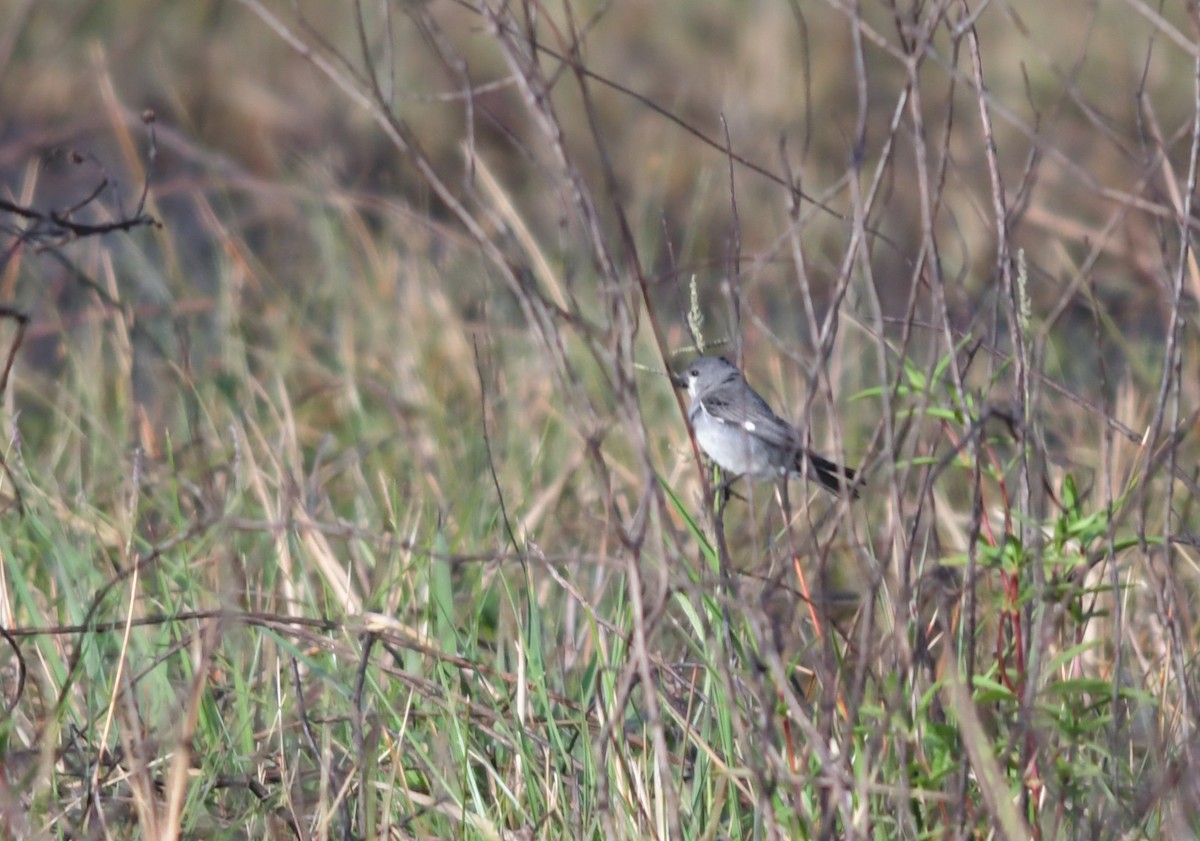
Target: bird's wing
{"points": [[751, 413]]}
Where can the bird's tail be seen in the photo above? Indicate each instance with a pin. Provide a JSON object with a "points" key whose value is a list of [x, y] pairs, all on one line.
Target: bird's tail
{"points": [[833, 476]]}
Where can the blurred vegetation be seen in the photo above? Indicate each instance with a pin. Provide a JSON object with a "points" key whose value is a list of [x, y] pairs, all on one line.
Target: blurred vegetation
{"points": [[344, 494]]}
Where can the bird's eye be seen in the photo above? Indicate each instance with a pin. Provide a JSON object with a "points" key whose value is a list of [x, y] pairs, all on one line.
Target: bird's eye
{"points": [[695, 372]]}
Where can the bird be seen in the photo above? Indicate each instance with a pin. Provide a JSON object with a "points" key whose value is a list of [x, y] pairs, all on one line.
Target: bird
{"points": [[740, 431]]}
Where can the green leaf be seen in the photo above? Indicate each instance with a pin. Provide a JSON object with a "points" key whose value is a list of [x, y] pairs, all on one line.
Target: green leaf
{"points": [[1078, 686], [1070, 654], [441, 595]]}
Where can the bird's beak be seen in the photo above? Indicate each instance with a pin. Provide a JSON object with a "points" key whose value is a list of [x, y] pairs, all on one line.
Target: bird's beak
{"points": [[678, 381]]}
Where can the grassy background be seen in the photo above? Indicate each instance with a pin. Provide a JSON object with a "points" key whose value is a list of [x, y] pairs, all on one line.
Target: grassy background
{"points": [[351, 500]]}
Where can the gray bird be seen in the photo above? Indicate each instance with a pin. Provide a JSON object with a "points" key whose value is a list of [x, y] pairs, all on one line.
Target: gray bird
{"points": [[741, 433]]}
